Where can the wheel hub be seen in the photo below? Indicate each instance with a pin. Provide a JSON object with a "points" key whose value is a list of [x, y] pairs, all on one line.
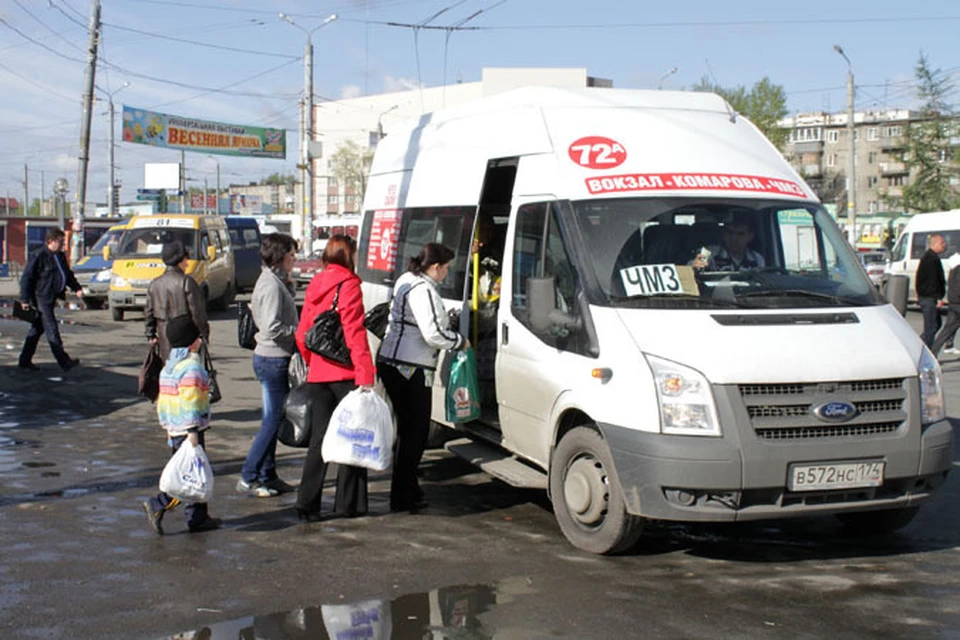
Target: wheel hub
{"points": [[584, 490]]}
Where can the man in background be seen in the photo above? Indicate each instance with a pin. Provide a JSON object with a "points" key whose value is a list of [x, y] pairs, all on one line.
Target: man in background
{"points": [[931, 287]]}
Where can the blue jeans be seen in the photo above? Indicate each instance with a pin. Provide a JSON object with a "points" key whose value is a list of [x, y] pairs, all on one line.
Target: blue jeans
{"points": [[260, 465], [931, 319]]}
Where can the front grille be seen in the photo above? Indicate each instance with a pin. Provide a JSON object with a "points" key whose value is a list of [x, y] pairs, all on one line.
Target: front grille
{"points": [[786, 411], [139, 283]]}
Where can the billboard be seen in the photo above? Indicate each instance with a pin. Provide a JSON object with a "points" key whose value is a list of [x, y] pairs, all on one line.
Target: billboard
{"points": [[189, 134], [245, 205]]}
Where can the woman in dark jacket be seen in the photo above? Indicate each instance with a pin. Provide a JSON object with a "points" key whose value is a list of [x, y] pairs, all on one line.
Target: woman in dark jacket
{"points": [[329, 381], [418, 329]]}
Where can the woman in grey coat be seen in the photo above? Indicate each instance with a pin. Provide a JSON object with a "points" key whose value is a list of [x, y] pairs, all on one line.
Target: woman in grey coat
{"points": [[274, 311]]}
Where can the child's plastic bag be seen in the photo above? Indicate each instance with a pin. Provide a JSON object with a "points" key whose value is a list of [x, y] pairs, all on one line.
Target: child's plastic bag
{"points": [[463, 392], [361, 432], [368, 619], [188, 476]]}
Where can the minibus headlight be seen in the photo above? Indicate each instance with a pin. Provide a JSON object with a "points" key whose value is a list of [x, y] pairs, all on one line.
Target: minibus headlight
{"points": [[932, 407], [103, 275], [119, 282], [686, 402]]}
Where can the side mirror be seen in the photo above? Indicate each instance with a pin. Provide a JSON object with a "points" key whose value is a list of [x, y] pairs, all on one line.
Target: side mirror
{"points": [[107, 253], [211, 253], [544, 314]]}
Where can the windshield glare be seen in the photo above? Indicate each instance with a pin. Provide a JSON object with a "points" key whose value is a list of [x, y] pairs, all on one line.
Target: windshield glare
{"points": [[720, 253], [146, 243], [108, 237]]}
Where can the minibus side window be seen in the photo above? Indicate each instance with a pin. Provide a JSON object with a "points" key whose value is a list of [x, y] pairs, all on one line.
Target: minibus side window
{"points": [[539, 251], [919, 245], [899, 249]]}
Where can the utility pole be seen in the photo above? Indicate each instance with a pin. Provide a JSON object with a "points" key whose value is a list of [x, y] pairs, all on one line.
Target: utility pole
{"points": [[42, 192], [26, 192], [306, 133], [183, 182], [89, 77], [852, 234], [111, 189]]}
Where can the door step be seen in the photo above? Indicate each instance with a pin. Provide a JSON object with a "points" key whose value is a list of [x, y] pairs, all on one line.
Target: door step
{"points": [[498, 463]]}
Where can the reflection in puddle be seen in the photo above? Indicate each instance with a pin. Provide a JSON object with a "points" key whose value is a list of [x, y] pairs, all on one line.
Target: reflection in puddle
{"points": [[35, 465], [448, 612]]}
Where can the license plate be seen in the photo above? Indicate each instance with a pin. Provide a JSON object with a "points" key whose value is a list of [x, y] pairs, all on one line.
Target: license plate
{"points": [[139, 299], [835, 475]]}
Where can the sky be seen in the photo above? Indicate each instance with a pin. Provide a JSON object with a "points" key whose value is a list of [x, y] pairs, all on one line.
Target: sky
{"points": [[236, 61]]}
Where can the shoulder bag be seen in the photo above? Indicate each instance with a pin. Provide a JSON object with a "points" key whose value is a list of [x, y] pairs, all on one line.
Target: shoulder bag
{"points": [[148, 382], [215, 394], [246, 327], [376, 320], [325, 337]]}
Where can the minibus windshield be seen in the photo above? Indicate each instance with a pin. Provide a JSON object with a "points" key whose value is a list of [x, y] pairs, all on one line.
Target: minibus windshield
{"points": [[695, 253], [148, 242], [110, 236]]}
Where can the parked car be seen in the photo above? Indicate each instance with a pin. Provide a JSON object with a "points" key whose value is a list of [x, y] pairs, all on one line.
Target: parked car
{"points": [[305, 268], [875, 262], [93, 270], [245, 240]]}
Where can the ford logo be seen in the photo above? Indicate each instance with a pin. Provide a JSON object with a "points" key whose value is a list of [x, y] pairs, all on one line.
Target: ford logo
{"points": [[835, 411]]}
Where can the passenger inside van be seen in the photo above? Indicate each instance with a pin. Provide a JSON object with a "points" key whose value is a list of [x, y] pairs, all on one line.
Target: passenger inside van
{"points": [[734, 253]]}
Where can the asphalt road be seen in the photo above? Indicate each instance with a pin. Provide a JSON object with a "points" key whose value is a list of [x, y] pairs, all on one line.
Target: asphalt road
{"points": [[79, 452]]}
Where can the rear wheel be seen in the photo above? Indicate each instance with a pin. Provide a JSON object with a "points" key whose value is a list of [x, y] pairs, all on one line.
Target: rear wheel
{"points": [[876, 523], [587, 499], [117, 314]]}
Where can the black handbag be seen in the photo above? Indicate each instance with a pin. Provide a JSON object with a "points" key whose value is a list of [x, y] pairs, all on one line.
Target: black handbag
{"points": [[294, 429], [27, 314], [325, 337], [376, 320], [246, 327], [148, 382], [215, 394]]}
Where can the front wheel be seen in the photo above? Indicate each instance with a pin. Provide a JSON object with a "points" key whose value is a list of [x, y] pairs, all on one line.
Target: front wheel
{"points": [[875, 523], [587, 499], [117, 314]]}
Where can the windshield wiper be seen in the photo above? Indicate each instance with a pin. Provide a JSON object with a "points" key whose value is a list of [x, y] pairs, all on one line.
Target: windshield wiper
{"points": [[684, 299], [801, 293]]}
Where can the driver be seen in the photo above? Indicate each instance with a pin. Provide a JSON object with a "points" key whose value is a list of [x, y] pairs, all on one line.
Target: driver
{"points": [[735, 253]]}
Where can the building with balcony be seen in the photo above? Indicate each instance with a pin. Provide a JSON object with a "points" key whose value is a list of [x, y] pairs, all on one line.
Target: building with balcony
{"points": [[819, 148]]}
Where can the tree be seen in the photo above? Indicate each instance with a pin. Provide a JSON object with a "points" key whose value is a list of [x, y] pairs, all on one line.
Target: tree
{"points": [[279, 179], [764, 104], [928, 155], [350, 165]]}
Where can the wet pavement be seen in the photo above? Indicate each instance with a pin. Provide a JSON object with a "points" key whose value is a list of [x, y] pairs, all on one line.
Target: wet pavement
{"points": [[79, 452]]}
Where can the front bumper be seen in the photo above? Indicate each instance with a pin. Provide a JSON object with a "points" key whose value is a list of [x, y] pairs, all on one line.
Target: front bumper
{"points": [[134, 300], [741, 476]]}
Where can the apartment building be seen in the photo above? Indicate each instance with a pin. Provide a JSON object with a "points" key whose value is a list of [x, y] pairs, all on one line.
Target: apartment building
{"points": [[819, 147]]}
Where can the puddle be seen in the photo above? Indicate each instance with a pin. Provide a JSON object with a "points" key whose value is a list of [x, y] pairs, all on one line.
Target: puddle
{"points": [[8, 460], [36, 465], [449, 612]]}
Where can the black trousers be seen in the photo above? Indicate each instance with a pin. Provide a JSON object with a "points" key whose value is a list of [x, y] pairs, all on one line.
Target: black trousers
{"points": [[949, 328], [351, 497], [411, 405], [46, 323]]}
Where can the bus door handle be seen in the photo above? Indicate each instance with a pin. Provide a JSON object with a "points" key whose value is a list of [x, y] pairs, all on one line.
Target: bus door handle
{"points": [[506, 334]]}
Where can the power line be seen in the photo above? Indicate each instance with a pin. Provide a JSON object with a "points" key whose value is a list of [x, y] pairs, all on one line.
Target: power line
{"points": [[199, 44], [45, 26], [37, 42], [232, 84], [46, 90]]}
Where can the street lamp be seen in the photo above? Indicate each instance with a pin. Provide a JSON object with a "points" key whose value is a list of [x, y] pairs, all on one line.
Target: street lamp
{"points": [[306, 171], [380, 123], [60, 187], [218, 182], [665, 76], [852, 160], [111, 193]]}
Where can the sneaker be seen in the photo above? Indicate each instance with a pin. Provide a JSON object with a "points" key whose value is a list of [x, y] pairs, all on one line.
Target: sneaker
{"points": [[255, 489], [279, 486], [207, 525], [155, 518], [952, 351]]}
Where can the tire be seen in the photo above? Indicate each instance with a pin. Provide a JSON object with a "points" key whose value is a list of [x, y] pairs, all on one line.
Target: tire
{"points": [[438, 435], [117, 314], [93, 303], [877, 523], [587, 498], [223, 302]]}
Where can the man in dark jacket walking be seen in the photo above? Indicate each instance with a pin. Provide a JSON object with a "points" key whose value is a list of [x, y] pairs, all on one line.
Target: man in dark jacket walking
{"points": [[953, 317], [931, 287], [171, 295], [44, 280]]}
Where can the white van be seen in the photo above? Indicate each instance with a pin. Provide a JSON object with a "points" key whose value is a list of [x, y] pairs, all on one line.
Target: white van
{"points": [[912, 243], [617, 376]]}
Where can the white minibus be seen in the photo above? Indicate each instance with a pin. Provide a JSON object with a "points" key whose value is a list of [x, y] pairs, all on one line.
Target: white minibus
{"points": [[911, 244], [680, 333]]}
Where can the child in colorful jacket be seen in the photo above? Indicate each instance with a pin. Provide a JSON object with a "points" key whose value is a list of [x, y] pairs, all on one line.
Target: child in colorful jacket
{"points": [[183, 409]]}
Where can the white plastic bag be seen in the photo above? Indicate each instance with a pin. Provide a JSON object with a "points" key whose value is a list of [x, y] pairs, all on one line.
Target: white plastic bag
{"points": [[368, 619], [188, 476], [361, 432]]}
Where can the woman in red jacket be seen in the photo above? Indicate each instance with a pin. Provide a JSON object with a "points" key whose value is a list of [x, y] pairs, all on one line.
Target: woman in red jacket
{"points": [[329, 381]]}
